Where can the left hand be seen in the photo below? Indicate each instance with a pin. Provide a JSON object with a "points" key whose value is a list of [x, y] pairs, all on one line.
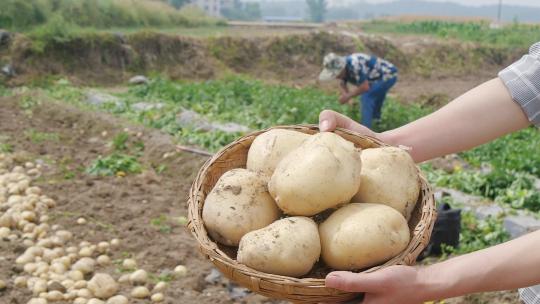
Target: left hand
{"points": [[330, 120], [394, 284]]}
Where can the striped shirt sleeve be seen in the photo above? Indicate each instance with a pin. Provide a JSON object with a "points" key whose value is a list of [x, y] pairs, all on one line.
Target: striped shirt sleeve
{"points": [[530, 295], [522, 79]]}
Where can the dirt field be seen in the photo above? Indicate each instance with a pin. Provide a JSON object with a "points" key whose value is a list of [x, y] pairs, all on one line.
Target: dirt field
{"points": [[122, 207], [115, 207]]}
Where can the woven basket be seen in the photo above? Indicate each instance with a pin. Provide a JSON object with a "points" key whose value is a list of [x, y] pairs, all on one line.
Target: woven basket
{"points": [[310, 289]]}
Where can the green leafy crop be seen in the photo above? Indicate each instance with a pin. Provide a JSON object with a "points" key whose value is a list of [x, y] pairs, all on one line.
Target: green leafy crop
{"points": [[115, 164]]}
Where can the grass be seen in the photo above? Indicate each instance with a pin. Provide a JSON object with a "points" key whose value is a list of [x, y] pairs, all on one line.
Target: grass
{"points": [[199, 31], [4, 91], [161, 168], [512, 35], [119, 142], [21, 15], [39, 137], [164, 277], [51, 22], [6, 148], [161, 223], [182, 220], [28, 102]]}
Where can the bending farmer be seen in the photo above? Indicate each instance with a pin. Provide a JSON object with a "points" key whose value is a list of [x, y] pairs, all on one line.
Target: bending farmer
{"points": [[371, 77]]}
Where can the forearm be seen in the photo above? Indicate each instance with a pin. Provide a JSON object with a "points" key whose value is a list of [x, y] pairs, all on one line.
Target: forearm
{"points": [[466, 122], [507, 266], [357, 91], [343, 87]]}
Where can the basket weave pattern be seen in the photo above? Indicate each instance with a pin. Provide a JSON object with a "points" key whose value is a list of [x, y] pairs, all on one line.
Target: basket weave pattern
{"points": [[299, 290]]}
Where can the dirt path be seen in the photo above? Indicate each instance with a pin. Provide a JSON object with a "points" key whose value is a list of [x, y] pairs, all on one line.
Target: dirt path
{"points": [[438, 91]]}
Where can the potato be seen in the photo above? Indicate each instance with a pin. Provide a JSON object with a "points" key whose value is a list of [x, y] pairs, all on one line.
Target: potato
{"points": [[322, 173], [139, 277], [129, 264], [140, 292], [158, 297], [103, 286], [238, 204], [160, 286], [357, 236], [289, 246], [119, 299], [180, 271], [270, 147], [389, 177]]}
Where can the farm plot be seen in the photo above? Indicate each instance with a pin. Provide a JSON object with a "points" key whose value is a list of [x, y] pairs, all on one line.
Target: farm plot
{"points": [[144, 211]]}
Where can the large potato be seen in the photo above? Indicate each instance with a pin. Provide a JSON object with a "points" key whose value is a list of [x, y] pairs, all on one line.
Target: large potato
{"points": [[357, 236], [239, 203], [389, 177], [269, 148], [322, 173], [288, 247]]}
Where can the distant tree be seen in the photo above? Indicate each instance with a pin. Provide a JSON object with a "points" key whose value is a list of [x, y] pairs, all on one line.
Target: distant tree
{"points": [[247, 11], [252, 10], [178, 3], [316, 10]]}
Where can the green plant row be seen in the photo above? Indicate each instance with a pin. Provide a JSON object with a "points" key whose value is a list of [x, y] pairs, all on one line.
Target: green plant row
{"points": [[478, 234], [511, 162], [245, 101], [514, 35], [507, 186]]}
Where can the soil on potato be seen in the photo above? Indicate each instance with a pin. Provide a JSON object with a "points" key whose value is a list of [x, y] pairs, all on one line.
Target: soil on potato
{"points": [[139, 209]]}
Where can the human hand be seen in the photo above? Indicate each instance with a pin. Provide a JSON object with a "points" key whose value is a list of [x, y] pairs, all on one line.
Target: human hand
{"points": [[330, 120], [344, 98], [394, 284]]}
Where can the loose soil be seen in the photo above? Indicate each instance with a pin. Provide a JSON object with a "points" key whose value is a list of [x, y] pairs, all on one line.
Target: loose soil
{"points": [[115, 207], [430, 68]]}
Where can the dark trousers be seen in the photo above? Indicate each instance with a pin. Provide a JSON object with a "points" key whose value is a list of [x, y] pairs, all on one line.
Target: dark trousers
{"points": [[372, 100]]}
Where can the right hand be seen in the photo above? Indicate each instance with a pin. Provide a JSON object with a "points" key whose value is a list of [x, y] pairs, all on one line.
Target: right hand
{"points": [[344, 98], [330, 120]]}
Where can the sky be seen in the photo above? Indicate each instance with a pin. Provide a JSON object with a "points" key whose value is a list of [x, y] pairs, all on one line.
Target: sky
{"points": [[478, 2]]}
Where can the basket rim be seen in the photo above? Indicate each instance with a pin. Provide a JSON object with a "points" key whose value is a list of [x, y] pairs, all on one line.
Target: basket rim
{"points": [[214, 253]]}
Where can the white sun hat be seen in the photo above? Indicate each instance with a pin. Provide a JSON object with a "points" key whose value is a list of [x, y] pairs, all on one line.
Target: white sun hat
{"points": [[332, 65]]}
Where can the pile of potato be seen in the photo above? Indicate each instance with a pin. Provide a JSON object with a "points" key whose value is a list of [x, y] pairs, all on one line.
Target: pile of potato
{"points": [[268, 209], [53, 268]]}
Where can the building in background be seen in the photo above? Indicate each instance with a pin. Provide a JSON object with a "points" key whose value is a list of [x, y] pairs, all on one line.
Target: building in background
{"points": [[214, 7]]}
